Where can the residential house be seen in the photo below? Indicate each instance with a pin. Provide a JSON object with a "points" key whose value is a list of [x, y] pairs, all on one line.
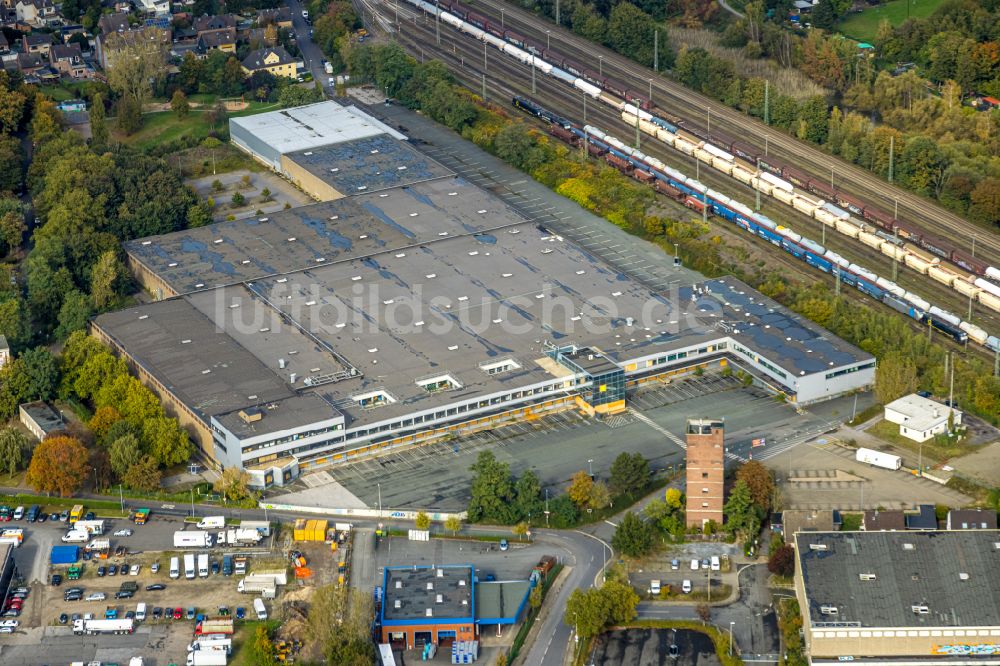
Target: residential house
{"points": [[4, 45], [36, 13], [972, 519], [280, 16], [921, 418], [205, 23], [110, 23], [67, 59], [37, 42], [924, 519], [30, 64], [220, 40], [155, 7], [883, 521], [275, 60]]}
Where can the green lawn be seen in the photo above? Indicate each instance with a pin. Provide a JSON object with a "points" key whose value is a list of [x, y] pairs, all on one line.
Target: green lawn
{"points": [[59, 93], [864, 26], [165, 126]]}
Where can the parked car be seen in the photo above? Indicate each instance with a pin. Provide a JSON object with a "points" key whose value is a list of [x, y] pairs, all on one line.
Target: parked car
{"points": [[178, 613], [90, 516], [155, 587], [124, 594], [124, 533], [157, 613], [675, 564], [694, 565], [102, 571], [42, 517], [134, 571], [503, 544], [190, 613], [76, 596], [96, 596], [240, 612], [56, 580], [123, 569], [686, 587], [113, 570], [19, 513], [64, 516], [56, 516], [63, 618], [154, 567], [130, 615]]}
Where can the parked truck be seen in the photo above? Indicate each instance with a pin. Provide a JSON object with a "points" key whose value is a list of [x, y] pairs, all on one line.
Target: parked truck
{"points": [[141, 517], [92, 527], [878, 459], [214, 626], [189, 565], [279, 576], [99, 548], [238, 537], [203, 565], [207, 658], [262, 526], [240, 566], [211, 522], [126, 626], [76, 513], [211, 644], [192, 540], [263, 585]]}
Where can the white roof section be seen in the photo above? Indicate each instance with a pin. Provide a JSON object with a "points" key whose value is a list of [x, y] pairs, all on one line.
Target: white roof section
{"points": [[313, 125], [918, 413]]}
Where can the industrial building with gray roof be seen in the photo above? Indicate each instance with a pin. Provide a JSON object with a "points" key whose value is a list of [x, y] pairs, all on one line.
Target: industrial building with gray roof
{"points": [[900, 594], [392, 316]]}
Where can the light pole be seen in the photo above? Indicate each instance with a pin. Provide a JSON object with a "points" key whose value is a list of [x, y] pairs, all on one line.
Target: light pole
{"points": [[709, 128], [379, 501], [548, 39], [95, 478], [192, 502], [731, 623], [121, 497], [590, 466], [501, 20], [546, 507], [576, 630], [766, 137], [600, 65]]}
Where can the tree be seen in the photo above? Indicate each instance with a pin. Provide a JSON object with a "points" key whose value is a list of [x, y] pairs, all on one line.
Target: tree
{"points": [[238, 199], [516, 145], [586, 612], [42, 371], [453, 524], [129, 115], [102, 420], [299, 96], [528, 495], [46, 120], [580, 487], [179, 104], [563, 512], [896, 376], [12, 226], [11, 164], [704, 612], [520, 529], [633, 536], [922, 165], [760, 482], [134, 63], [621, 601], [12, 104], [782, 561], [262, 649], [123, 453], [98, 124], [674, 498], [73, 314], [741, 513], [600, 496], [629, 473], [985, 201], [423, 521], [630, 31], [824, 15], [233, 484], [492, 491], [143, 475], [58, 465], [13, 448]]}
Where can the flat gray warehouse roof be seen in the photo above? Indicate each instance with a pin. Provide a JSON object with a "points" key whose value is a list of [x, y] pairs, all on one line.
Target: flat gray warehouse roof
{"points": [[325, 233], [912, 579], [445, 590], [368, 165], [310, 126]]}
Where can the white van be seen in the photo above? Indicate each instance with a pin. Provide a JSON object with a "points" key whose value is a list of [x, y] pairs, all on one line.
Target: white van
{"points": [[258, 606], [175, 567], [694, 564], [716, 565], [76, 536], [140, 612]]}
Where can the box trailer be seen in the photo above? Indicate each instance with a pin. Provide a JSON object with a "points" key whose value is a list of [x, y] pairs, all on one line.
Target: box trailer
{"points": [[207, 658], [126, 626], [253, 585], [211, 522], [189, 565], [279, 576], [211, 644], [93, 527], [262, 526], [878, 459], [192, 540], [214, 626], [203, 565]]}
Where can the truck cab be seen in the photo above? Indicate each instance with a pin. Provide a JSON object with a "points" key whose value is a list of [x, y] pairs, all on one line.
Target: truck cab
{"points": [[111, 613]]}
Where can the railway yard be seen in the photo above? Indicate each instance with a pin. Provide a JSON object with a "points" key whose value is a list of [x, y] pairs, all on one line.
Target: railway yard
{"points": [[918, 279]]}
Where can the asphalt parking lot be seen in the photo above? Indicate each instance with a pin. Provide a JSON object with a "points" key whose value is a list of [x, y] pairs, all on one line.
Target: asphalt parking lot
{"points": [[437, 476], [651, 647], [158, 646]]}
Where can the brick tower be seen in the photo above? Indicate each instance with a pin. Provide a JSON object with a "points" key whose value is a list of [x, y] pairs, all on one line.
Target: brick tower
{"points": [[706, 457]]}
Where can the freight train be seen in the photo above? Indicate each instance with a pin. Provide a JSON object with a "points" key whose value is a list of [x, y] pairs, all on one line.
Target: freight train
{"points": [[834, 207], [697, 196]]}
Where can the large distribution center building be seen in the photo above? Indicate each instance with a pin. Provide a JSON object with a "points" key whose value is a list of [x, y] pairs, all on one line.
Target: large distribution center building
{"points": [[913, 597], [418, 306]]}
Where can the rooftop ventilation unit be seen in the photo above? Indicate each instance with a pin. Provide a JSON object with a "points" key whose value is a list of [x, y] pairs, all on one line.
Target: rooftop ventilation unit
{"points": [[828, 609], [439, 598], [867, 576], [818, 546], [251, 414], [429, 612], [399, 584], [397, 604], [440, 573], [920, 609], [430, 585]]}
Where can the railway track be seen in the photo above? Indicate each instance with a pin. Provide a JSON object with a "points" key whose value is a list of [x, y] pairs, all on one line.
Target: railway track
{"points": [[692, 106], [506, 77]]}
